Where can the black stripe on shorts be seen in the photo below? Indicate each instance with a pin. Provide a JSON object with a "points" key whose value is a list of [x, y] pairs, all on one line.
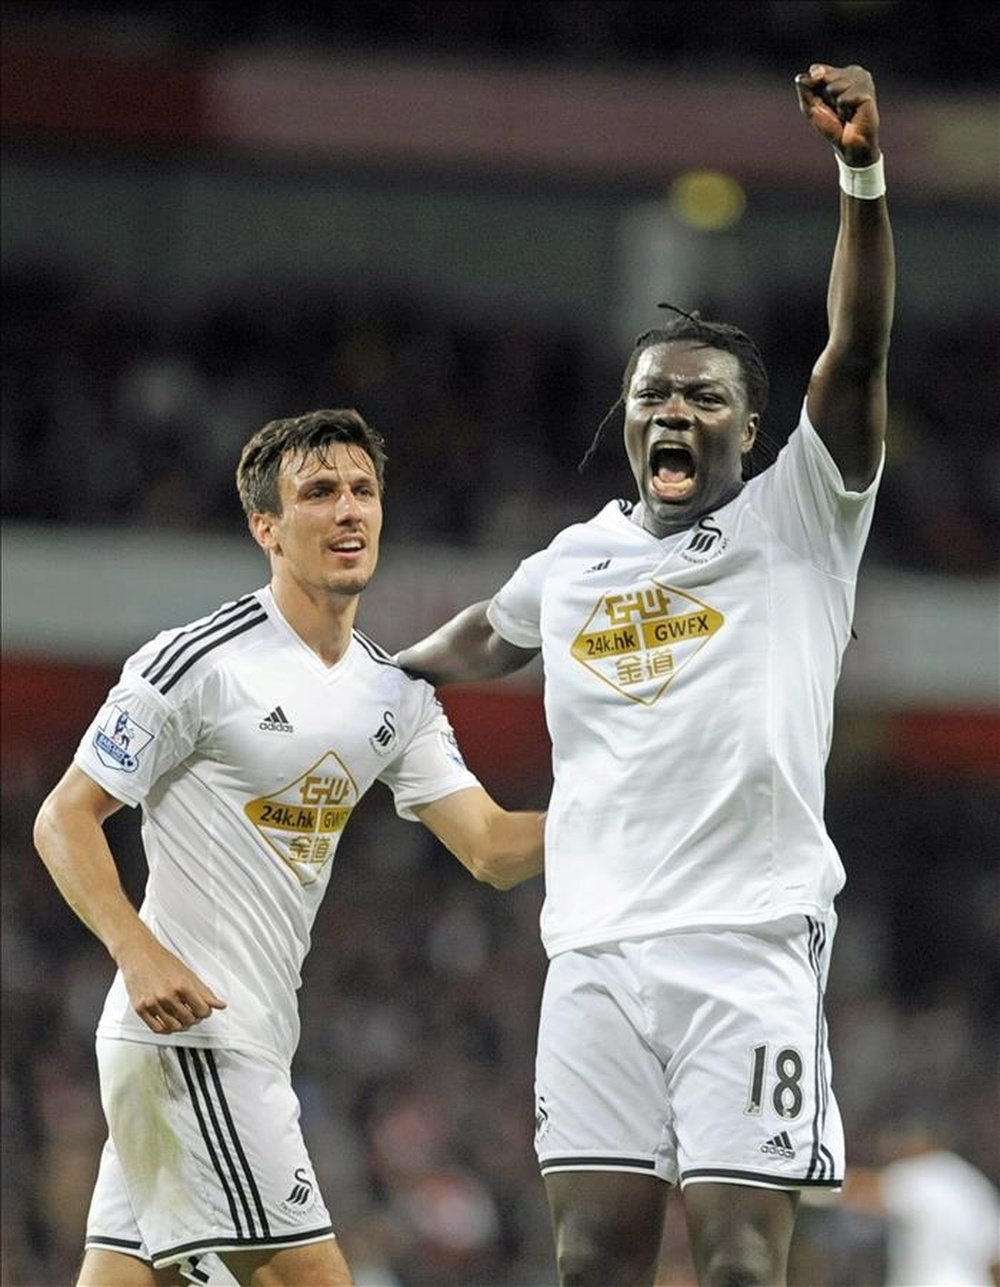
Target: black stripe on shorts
{"points": [[112, 1244], [301, 1239], [821, 1161], [596, 1162], [222, 1143], [759, 1179]]}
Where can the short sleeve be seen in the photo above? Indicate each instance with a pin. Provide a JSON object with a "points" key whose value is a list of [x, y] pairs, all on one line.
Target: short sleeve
{"points": [[803, 500], [514, 612], [135, 738], [430, 766]]}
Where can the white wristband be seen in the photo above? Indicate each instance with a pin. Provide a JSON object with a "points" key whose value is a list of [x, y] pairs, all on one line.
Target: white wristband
{"points": [[866, 182]]}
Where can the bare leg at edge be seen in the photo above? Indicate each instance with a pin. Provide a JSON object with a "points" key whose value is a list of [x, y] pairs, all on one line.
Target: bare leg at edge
{"points": [[740, 1236], [607, 1227]]}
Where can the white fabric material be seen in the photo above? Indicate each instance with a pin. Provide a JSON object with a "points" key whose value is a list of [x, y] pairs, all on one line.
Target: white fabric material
{"points": [[231, 1168], [944, 1222], [866, 182], [247, 755], [689, 697], [711, 1066]]}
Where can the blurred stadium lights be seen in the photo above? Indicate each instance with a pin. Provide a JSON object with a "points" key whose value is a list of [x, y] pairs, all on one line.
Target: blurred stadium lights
{"points": [[707, 200]]}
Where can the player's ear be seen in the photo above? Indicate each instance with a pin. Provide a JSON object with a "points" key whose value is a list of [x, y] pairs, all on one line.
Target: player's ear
{"points": [[262, 530], [750, 432]]}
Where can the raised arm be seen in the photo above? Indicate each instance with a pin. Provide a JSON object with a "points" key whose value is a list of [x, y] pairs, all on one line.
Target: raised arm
{"points": [[847, 392], [464, 649], [69, 836], [497, 846]]}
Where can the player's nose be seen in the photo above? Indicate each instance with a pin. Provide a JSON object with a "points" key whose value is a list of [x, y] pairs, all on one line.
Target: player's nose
{"points": [[348, 508], [674, 410]]}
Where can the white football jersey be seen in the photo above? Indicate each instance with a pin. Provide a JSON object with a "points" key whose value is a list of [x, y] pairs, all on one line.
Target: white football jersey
{"points": [[689, 687], [248, 754]]}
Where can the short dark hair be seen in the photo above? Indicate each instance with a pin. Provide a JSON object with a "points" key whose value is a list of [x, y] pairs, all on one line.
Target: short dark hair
{"points": [[711, 335], [260, 460]]}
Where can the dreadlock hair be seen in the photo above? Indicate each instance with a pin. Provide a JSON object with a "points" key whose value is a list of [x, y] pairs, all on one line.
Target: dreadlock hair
{"points": [[257, 475], [710, 335]]}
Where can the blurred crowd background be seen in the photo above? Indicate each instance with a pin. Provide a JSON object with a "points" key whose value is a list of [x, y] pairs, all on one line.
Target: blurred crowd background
{"points": [[136, 362]]}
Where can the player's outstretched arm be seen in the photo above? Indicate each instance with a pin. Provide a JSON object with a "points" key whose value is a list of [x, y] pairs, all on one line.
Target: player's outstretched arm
{"points": [[464, 649], [847, 392], [69, 836], [494, 844]]}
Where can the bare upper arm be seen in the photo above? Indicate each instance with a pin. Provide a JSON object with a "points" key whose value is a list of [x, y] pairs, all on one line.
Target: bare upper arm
{"points": [[463, 650], [76, 791], [502, 656], [848, 409], [511, 657]]}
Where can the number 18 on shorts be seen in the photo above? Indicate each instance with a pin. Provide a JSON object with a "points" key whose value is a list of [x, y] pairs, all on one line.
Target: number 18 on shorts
{"points": [[695, 1056]]}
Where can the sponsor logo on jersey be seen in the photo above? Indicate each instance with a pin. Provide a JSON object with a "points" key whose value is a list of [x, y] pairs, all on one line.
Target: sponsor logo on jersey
{"points": [[302, 822], [707, 542], [640, 640], [779, 1145], [598, 567], [120, 740], [384, 738], [276, 722]]}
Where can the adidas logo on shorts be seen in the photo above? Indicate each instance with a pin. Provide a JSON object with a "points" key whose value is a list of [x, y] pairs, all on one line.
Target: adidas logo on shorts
{"points": [[779, 1145]]}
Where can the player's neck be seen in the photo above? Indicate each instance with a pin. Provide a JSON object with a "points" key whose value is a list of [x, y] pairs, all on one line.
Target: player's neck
{"points": [[322, 619]]}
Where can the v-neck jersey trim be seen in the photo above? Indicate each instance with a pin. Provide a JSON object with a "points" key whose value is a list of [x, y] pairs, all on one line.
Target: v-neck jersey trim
{"points": [[265, 597]]}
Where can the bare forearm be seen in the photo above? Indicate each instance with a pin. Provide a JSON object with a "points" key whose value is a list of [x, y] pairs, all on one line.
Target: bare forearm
{"points": [[515, 851], [464, 649], [496, 846], [846, 399], [861, 295], [73, 847], [69, 836]]}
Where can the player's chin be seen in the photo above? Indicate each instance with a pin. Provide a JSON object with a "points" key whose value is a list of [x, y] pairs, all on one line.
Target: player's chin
{"points": [[664, 519], [349, 583]]}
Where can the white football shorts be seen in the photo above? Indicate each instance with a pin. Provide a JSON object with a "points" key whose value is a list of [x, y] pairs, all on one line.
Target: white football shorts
{"points": [[205, 1154], [696, 1056]]}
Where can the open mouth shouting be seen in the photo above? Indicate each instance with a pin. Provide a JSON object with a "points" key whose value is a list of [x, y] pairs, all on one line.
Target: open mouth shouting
{"points": [[672, 470]]}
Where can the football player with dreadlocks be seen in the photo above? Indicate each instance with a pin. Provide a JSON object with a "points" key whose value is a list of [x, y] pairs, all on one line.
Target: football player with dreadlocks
{"points": [[692, 641]]}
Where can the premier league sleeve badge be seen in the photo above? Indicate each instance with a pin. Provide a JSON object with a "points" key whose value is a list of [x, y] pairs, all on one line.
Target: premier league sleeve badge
{"points": [[119, 740]]}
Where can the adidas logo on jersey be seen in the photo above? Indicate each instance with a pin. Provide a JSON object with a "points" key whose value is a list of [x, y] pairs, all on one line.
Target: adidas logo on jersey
{"points": [[276, 722], [779, 1145], [598, 567]]}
